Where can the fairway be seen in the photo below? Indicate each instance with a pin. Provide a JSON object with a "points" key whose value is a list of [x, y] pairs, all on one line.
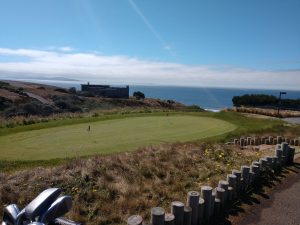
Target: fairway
{"points": [[115, 135]]}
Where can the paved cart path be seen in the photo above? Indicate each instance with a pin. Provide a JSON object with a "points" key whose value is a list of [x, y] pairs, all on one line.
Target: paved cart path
{"points": [[281, 208]]}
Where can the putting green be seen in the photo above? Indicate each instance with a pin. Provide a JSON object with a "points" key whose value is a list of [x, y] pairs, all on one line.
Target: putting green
{"points": [[108, 136]]}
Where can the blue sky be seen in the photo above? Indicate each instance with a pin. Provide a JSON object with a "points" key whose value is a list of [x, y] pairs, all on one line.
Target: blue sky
{"points": [[232, 43]]}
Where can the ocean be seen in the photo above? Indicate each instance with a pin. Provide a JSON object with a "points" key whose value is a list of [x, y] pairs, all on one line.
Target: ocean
{"points": [[213, 99]]}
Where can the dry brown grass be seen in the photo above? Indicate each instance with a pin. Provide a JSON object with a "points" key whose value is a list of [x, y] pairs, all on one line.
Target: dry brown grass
{"points": [[107, 189], [265, 112]]}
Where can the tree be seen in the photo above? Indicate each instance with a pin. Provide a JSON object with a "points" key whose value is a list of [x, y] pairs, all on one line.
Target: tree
{"points": [[138, 95]]}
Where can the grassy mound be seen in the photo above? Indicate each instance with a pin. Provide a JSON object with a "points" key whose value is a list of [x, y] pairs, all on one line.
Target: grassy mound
{"points": [[104, 137]]}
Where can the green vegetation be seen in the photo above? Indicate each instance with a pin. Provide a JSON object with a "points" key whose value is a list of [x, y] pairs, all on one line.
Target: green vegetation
{"points": [[116, 133], [108, 136], [261, 100], [138, 95]]}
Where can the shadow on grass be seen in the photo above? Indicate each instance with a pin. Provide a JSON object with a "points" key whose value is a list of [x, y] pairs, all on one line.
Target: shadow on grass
{"points": [[252, 196]]}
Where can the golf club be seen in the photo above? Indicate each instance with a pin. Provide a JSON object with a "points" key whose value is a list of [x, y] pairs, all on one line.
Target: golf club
{"points": [[41, 203], [10, 214], [58, 208]]}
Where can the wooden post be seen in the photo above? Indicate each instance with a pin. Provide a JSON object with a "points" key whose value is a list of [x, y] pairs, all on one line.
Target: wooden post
{"points": [[238, 175], [285, 149], [245, 174], [135, 220], [157, 216], [177, 209], [169, 219], [263, 163], [292, 142], [270, 140], [291, 155], [230, 194], [232, 180], [279, 139], [201, 208], [193, 202], [248, 140], [212, 206], [224, 184], [274, 141], [206, 194], [242, 142], [217, 207], [255, 169], [187, 215], [296, 142], [220, 194]]}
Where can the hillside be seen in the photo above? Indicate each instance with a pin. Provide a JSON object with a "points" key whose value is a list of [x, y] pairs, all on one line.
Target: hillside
{"points": [[25, 99]]}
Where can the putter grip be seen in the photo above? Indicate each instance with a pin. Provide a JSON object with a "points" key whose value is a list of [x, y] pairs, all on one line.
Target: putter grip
{"points": [[65, 221]]}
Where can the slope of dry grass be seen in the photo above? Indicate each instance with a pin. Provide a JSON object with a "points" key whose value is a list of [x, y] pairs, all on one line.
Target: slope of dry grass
{"points": [[107, 189]]}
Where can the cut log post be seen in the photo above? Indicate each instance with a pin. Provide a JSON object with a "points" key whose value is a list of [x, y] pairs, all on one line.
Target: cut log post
{"points": [[292, 142], [157, 216], [267, 142], [256, 170], [275, 162], [224, 184], [242, 142], [177, 209], [230, 194], [206, 194], [220, 194], [169, 219], [285, 149], [193, 202], [187, 216], [248, 140], [296, 141], [245, 175], [256, 141], [279, 139], [135, 220], [212, 209], [235, 141], [232, 180], [270, 161], [217, 207], [291, 156], [274, 141], [263, 163], [238, 175], [251, 177], [201, 208], [270, 140], [252, 142]]}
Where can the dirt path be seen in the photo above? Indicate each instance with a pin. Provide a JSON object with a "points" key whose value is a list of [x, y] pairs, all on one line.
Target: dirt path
{"points": [[279, 205]]}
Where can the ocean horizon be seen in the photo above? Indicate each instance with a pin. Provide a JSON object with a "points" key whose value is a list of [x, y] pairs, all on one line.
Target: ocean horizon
{"points": [[209, 98]]}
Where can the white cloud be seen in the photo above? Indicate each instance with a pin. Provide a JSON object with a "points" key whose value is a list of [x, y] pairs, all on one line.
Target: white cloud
{"points": [[127, 70]]}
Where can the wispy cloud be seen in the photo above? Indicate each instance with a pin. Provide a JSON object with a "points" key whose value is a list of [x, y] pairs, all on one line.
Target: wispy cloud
{"points": [[151, 28], [117, 68]]}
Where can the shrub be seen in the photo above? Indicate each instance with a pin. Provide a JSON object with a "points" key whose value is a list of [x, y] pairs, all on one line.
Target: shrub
{"points": [[72, 90], [139, 95]]}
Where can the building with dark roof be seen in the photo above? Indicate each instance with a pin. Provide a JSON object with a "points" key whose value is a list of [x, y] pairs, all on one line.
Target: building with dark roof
{"points": [[106, 90]]}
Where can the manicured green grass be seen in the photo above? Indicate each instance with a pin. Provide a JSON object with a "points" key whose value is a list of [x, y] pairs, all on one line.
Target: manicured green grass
{"points": [[107, 136]]}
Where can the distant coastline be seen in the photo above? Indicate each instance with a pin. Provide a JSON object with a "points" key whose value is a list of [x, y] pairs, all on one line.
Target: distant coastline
{"points": [[211, 99]]}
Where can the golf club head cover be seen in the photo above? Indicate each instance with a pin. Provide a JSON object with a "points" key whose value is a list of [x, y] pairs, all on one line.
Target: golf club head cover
{"points": [[61, 206], [41, 203]]}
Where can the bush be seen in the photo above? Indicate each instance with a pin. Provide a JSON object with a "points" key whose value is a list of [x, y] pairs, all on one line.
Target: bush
{"points": [[139, 95], [72, 90]]}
